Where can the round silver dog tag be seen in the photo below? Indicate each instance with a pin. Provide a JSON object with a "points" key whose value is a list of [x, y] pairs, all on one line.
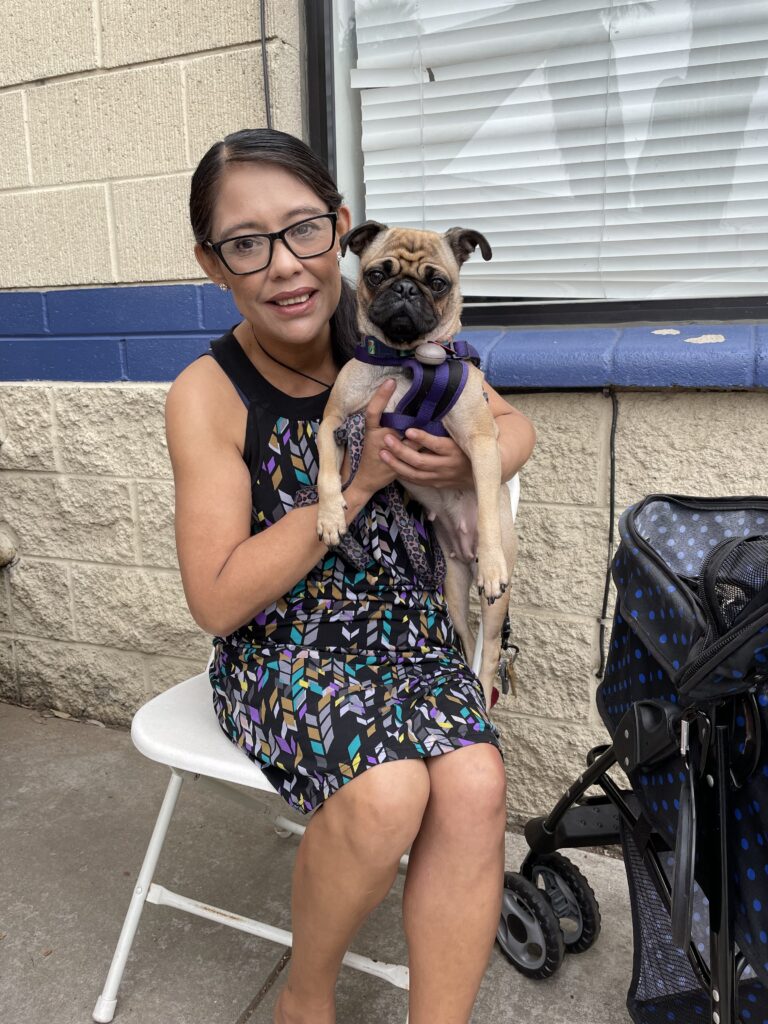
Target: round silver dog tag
{"points": [[430, 353]]}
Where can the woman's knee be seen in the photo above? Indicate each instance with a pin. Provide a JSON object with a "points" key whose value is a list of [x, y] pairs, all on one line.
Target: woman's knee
{"points": [[470, 785], [379, 814]]}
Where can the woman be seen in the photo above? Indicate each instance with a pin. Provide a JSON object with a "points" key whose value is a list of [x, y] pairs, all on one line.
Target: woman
{"points": [[344, 685]]}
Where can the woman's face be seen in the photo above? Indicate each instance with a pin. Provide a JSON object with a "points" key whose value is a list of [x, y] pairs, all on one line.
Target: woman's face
{"points": [[259, 197]]}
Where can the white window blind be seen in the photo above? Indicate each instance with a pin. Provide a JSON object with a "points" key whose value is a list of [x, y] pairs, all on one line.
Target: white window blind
{"points": [[606, 149]]}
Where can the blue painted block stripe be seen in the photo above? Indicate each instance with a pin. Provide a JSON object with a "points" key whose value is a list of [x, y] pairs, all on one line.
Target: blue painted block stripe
{"points": [[151, 332], [22, 313], [114, 310], [85, 359]]}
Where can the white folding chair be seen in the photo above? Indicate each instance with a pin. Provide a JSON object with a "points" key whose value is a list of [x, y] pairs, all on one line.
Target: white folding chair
{"points": [[179, 729]]}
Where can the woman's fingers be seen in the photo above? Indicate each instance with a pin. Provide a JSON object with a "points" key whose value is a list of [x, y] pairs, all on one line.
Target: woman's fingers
{"points": [[378, 403]]}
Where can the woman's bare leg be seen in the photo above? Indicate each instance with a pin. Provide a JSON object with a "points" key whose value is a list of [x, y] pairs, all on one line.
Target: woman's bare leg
{"points": [[453, 889], [346, 864]]}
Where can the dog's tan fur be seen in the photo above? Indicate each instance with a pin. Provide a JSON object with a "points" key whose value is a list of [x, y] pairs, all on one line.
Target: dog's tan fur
{"points": [[420, 256]]}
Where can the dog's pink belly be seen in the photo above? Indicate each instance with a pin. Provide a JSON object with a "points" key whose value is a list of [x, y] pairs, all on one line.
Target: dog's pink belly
{"points": [[455, 515]]}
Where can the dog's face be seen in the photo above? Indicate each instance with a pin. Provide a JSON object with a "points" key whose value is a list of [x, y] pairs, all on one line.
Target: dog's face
{"points": [[408, 290]]}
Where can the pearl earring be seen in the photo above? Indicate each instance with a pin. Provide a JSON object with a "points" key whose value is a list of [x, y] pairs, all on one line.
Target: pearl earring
{"points": [[224, 287], [338, 257]]}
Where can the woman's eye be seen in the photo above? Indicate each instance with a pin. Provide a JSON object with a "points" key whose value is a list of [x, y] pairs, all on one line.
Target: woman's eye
{"points": [[374, 277], [438, 285], [304, 230], [247, 244]]}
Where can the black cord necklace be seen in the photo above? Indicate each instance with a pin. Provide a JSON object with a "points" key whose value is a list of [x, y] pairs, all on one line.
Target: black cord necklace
{"points": [[285, 365]]}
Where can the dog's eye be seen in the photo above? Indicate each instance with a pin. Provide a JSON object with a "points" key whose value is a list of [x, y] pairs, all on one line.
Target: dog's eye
{"points": [[374, 278], [438, 285]]}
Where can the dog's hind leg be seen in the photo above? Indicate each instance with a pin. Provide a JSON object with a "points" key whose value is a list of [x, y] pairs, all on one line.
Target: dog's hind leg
{"points": [[458, 576]]}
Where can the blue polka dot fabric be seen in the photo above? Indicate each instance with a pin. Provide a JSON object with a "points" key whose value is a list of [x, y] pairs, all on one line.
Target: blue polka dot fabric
{"points": [[690, 628]]}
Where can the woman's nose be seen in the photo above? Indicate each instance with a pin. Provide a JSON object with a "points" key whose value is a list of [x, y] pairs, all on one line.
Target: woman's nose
{"points": [[283, 261]]}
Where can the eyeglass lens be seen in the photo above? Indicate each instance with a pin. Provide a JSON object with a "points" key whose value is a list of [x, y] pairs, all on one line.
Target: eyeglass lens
{"points": [[251, 252]]}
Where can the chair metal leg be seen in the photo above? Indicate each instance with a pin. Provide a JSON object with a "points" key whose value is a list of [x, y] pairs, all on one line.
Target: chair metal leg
{"points": [[104, 1010]]}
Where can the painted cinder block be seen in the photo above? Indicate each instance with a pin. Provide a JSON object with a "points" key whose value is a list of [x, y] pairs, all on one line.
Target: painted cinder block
{"points": [[112, 310], [153, 238], [162, 359], [74, 225], [110, 683], [225, 92], [561, 562], [85, 359], [40, 600], [155, 499], [565, 465], [140, 30], [644, 358], [116, 431], [43, 40], [219, 309], [69, 517], [22, 313], [114, 125], [9, 690], [552, 358], [14, 169], [134, 609], [26, 428], [691, 443]]}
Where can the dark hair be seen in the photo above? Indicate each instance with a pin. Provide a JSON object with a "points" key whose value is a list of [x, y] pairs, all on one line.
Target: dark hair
{"points": [[265, 145]]}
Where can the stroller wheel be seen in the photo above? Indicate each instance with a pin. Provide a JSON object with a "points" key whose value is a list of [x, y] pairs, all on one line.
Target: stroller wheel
{"points": [[529, 934], [571, 898]]}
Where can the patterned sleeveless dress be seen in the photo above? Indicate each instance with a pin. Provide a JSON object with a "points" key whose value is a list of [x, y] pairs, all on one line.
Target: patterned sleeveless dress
{"points": [[351, 668]]}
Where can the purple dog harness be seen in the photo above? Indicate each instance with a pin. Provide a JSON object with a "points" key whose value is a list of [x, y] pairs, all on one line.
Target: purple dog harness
{"points": [[434, 390]]}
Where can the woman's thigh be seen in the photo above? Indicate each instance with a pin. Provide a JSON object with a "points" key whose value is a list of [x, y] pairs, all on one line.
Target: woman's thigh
{"points": [[468, 790], [380, 811]]}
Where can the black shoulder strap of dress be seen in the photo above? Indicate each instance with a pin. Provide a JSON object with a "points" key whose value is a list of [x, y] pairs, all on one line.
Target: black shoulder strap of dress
{"points": [[238, 367]]}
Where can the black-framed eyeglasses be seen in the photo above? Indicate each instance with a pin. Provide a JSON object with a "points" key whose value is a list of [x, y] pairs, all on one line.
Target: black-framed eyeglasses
{"points": [[247, 254]]}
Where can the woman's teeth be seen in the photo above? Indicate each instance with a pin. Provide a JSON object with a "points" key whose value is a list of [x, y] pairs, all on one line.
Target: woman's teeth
{"points": [[292, 302]]}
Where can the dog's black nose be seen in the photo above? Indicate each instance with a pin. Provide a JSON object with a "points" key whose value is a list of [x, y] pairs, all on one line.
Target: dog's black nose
{"points": [[406, 289]]}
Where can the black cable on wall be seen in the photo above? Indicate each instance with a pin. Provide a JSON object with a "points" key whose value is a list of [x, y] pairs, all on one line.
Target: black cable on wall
{"points": [[264, 61], [612, 513]]}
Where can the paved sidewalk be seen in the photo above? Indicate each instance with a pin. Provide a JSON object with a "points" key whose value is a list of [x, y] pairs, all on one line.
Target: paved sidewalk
{"points": [[77, 804]]}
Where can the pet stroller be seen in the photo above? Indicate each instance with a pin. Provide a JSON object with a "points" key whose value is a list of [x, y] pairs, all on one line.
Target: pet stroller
{"points": [[685, 699]]}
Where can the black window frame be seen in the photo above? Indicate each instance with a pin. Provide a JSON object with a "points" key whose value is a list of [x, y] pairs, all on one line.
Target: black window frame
{"points": [[505, 312]]}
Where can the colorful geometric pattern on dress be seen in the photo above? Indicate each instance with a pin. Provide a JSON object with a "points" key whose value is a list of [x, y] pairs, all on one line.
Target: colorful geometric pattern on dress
{"points": [[352, 667]]}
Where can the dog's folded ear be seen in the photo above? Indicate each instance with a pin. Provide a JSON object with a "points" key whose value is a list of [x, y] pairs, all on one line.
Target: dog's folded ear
{"points": [[464, 241], [359, 238]]}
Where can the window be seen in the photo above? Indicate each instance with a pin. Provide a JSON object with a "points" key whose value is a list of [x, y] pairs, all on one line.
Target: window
{"points": [[608, 150]]}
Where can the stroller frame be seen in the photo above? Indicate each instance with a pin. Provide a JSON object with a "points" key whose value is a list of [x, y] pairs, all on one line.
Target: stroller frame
{"points": [[577, 821]]}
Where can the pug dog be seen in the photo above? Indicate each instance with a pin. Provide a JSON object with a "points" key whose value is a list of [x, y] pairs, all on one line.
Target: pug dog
{"points": [[408, 300]]}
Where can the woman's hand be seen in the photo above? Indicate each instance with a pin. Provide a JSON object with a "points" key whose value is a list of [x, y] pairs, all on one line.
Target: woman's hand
{"points": [[423, 458], [373, 473]]}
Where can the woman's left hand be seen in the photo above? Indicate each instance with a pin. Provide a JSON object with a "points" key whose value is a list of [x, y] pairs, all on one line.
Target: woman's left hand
{"points": [[422, 458]]}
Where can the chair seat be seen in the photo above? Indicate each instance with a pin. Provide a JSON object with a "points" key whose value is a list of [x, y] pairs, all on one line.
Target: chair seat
{"points": [[179, 728]]}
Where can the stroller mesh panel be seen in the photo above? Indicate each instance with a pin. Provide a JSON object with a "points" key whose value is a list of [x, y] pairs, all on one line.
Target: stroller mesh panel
{"points": [[663, 978], [741, 578]]}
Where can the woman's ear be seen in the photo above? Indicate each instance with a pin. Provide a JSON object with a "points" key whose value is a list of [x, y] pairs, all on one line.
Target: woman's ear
{"points": [[210, 264], [343, 221]]}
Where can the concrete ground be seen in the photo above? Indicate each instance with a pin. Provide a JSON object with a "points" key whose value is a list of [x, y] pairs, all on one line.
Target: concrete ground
{"points": [[77, 805]]}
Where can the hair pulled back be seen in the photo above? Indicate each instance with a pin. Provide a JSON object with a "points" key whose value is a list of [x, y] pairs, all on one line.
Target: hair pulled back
{"points": [[268, 146]]}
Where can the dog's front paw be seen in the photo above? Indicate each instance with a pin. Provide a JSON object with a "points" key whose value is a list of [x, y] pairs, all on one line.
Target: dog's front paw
{"points": [[492, 576], [331, 524]]}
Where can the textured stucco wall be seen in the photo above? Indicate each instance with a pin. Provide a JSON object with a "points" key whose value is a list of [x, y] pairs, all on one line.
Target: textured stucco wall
{"points": [[105, 108], [92, 615]]}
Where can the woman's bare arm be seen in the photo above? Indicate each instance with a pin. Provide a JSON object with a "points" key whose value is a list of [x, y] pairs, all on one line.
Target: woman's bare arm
{"points": [[439, 462], [228, 575]]}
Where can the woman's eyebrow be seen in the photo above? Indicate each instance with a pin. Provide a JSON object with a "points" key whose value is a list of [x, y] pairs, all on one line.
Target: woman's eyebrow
{"points": [[251, 225]]}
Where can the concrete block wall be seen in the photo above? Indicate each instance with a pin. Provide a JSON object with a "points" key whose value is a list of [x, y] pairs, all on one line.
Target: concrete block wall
{"points": [[106, 106], [93, 618]]}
